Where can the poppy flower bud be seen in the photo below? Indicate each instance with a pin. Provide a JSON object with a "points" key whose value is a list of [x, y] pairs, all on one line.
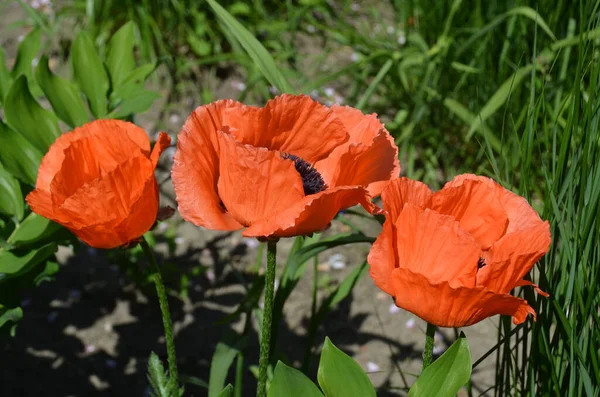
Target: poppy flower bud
{"points": [[452, 257], [98, 182], [283, 170]]}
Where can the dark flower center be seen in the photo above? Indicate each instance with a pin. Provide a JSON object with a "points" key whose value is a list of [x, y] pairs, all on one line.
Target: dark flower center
{"points": [[480, 263], [312, 181]]}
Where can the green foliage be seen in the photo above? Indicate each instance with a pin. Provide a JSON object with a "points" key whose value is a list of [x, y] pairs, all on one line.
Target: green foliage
{"points": [[447, 374], [225, 353], [289, 382]]}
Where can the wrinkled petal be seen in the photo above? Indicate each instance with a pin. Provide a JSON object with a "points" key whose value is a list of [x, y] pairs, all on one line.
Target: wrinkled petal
{"points": [[475, 205], [442, 305], [372, 165], [256, 182], [120, 134], [511, 258], [195, 171], [519, 212], [362, 128], [298, 125], [383, 258], [311, 214], [163, 142], [437, 246], [402, 191]]}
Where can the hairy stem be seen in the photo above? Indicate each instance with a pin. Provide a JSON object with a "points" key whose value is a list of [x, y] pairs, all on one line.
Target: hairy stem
{"points": [[265, 340]]}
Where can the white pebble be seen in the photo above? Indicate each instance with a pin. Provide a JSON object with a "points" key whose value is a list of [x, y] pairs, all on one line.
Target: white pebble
{"points": [[410, 323], [393, 309], [372, 367]]}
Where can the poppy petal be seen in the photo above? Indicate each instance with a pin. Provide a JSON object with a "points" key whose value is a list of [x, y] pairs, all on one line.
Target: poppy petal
{"points": [[362, 128], [163, 142], [255, 182], [372, 166], [511, 258], [298, 125], [382, 258], [311, 214], [120, 133], [475, 206], [126, 210], [442, 305], [519, 212], [527, 283], [402, 191], [436, 246], [195, 171]]}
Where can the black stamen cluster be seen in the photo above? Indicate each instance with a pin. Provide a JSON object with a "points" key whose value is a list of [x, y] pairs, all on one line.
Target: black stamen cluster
{"points": [[480, 263], [312, 181]]}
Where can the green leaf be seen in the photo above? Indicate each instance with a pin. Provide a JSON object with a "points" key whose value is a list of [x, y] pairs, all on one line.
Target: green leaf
{"points": [[27, 51], [34, 228], [13, 315], [18, 156], [139, 75], [200, 47], [225, 353], [89, 73], [13, 264], [289, 382], [469, 118], [345, 288], [24, 114], [11, 197], [446, 375], [340, 376], [136, 99], [499, 98], [63, 95], [119, 59], [226, 392], [260, 56], [5, 78], [157, 377]]}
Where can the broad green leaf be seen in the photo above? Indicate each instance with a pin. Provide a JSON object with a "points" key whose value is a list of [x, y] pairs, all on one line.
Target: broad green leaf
{"points": [[13, 264], [446, 375], [11, 197], [499, 98], [13, 315], [289, 382], [26, 53], [89, 73], [135, 100], [226, 392], [33, 228], [24, 114], [260, 56], [63, 95], [18, 156], [50, 269], [340, 376], [119, 59], [225, 353], [5, 78]]}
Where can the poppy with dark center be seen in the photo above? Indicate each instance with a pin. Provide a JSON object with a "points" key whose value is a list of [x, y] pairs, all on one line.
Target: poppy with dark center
{"points": [[452, 257], [98, 182], [283, 170]]}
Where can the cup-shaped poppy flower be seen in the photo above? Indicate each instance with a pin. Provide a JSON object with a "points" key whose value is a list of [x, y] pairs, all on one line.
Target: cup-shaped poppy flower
{"points": [[283, 170], [453, 256], [98, 181]]}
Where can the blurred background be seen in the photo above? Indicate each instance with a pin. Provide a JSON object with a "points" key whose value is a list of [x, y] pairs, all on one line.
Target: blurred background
{"points": [[507, 89]]}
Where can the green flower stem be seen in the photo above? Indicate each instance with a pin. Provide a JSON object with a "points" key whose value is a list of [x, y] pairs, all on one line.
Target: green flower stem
{"points": [[166, 315], [265, 340], [429, 339]]}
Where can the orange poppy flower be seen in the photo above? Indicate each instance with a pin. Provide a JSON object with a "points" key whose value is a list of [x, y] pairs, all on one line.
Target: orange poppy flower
{"points": [[452, 257], [98, 181], [282, 170]]}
